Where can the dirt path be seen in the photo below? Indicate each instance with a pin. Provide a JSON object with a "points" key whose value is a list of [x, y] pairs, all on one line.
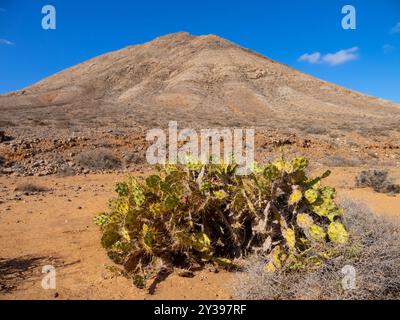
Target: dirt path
{"points": [[55, 228]]}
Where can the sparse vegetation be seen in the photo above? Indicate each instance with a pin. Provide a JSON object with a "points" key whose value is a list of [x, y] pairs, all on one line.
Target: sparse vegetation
{"points": [[99, 159], [338, 161], [373, 250], [315, 130], [66, 170], [195, 214], [29, 187], [377, 180], [373, 132], [135, 157]]}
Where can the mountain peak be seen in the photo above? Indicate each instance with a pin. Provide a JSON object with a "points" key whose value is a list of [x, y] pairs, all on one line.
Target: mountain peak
{"points": [[199, 80], [184, 35], [187, 39]]}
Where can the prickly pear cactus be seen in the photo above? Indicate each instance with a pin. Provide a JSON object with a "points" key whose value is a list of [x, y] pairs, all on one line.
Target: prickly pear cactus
{"points": [[194, 214]]}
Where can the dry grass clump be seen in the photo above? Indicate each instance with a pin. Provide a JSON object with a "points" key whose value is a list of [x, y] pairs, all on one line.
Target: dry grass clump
{"points": [[29, 187], [377, 180], [99, 159], [373, 251]]}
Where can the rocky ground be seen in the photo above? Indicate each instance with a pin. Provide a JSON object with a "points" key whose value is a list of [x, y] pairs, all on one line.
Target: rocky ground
{"points": [[42, 156]]}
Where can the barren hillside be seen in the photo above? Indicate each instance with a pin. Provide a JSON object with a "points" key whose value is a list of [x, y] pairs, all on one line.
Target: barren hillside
{"points": [[201, 80]]}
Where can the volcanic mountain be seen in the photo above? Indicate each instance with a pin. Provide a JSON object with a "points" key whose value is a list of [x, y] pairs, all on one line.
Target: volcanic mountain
{"points": [[200, 81]]}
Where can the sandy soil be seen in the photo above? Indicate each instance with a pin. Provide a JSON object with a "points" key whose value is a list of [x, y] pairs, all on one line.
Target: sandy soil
{"points": [[55, 228]]}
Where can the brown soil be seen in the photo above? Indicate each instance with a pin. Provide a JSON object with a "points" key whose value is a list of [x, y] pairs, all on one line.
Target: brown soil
{"points": [[55, 228]]}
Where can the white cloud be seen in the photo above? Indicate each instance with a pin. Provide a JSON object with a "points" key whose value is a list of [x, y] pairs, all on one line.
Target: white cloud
{"points": [[311, 58], [396, 28], [341, 56], [388, 48], [6, 42], [332, 59]]}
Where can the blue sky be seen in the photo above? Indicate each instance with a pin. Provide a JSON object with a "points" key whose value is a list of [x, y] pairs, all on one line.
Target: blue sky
{"points": [[366, 59]]}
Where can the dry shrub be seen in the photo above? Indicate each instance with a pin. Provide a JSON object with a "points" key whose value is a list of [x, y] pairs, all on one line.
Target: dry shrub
{"points": [[65, 171], [29, 187], [99, 159], [373, 251], [377, 180]]}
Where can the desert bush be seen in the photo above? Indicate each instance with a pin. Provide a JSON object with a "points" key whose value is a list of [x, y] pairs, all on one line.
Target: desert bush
{"points": [[29, 187], [188, 215], [135, 157], [99, 159], [65, 170], [372, 250], [377, 180]]}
